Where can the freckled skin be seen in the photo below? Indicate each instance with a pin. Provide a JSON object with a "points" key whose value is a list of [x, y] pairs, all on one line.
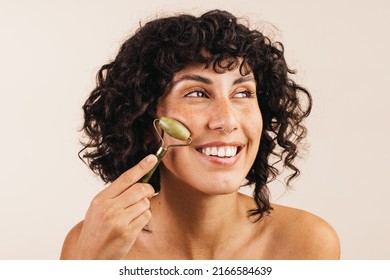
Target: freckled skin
{"points": [[222, 106]]}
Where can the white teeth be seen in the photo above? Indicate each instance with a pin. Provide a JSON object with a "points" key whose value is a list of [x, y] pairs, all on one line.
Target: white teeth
{"points": [[221, 152], [228, 151]]}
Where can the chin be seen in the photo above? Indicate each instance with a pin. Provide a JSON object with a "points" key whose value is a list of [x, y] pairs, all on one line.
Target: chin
{"points": [[217, 187]]}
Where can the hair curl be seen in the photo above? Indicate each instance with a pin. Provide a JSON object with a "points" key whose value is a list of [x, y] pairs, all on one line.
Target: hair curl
{"points": [[120, 110]]}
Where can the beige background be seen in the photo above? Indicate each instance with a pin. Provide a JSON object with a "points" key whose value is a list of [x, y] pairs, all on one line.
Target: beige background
{"points": [[51, 50]]}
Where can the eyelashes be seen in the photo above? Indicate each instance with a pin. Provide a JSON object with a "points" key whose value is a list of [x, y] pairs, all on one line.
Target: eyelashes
{"points": [[245, 94], [197, 93], [204, 94]]}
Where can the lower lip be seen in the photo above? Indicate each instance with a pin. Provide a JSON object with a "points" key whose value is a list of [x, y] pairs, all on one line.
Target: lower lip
{"points": [[226, 161]]}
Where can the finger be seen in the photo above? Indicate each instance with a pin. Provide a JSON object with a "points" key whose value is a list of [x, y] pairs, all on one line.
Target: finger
{"points": [[141, 221], [133, 195], [135, 227], [135, 210], [131, 176]]}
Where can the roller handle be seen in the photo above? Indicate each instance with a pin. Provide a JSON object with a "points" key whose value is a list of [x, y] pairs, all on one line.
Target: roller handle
{"points": [[160, 154]]}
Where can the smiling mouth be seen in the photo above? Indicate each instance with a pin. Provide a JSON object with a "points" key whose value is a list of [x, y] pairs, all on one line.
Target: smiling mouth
{"points": [[220, 152]]}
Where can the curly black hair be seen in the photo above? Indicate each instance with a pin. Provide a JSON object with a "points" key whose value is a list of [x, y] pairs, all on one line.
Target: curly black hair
{"points": [[120, 110]]}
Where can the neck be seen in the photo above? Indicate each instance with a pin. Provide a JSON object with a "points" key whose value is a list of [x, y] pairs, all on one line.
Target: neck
{"points": [[198, 224]]}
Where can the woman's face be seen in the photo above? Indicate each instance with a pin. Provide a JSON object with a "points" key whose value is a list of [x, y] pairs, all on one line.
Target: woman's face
{"points": [[224, 118]]}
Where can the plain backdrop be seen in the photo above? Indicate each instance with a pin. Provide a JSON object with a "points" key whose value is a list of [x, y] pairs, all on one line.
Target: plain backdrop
{"points": [[50, 52]]}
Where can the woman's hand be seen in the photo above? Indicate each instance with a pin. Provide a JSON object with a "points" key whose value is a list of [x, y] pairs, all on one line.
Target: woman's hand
{"points": [[115, 217]]}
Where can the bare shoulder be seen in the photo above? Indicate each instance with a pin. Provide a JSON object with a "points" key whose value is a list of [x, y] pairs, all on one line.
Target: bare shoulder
{"points": [[299, 234], [71, 241]]}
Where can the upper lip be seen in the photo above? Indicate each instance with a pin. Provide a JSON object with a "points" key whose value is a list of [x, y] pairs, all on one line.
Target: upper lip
{"points": [[220, 144]]}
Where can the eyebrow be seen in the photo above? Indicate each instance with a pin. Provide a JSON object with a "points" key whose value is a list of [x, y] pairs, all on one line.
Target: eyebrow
{"points": [[243, 79], [204, 80], [193, 77]]}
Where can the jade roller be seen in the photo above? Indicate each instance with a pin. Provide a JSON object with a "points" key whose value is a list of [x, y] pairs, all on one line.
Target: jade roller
{"points": [[174, 129]]}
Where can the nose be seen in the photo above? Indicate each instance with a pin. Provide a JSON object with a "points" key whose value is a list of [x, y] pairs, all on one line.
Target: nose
{"points": [[223, 117]]}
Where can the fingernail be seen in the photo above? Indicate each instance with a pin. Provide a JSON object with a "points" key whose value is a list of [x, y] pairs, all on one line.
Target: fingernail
{"points": [[150, 159]]}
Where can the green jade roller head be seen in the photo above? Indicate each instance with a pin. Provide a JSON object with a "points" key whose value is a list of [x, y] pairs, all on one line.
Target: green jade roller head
{"points": [[174, 129]]}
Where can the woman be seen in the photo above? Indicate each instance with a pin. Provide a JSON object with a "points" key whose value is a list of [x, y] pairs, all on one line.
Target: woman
{"points": [[231, 87]]}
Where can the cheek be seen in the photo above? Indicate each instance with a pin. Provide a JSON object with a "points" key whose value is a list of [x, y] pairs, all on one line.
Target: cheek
{"points": [[253, 122], [254, 129], [187, 117], [258, 123]]}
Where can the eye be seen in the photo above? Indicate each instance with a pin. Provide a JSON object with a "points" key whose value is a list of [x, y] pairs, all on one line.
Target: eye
{"points": [[244, 94], [196, 93]]}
